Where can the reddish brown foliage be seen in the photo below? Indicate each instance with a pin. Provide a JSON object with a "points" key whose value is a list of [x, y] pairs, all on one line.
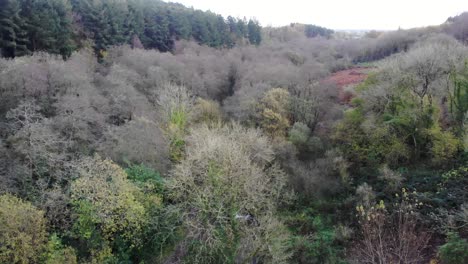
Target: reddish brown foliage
{"points": [[347, 78]]}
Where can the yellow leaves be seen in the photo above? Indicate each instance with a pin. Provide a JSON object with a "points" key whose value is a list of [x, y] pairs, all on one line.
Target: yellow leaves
{"points": [[360, 208], [277, 100], [105, 186], [273, 123], [381, 205], [274, 112], [444, 144], [370, 213], [207, 111], [103, 54], [22, 231]]}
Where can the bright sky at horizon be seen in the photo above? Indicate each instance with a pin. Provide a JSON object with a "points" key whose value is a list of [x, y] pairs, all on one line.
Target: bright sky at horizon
{"points": [[338, 14]]}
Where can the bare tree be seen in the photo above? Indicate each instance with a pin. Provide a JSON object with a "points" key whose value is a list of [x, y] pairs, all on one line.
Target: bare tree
{"points": [[392, 235]]}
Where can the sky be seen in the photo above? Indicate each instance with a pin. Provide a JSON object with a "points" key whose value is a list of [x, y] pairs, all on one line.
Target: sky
{"points": [[337, 14]]}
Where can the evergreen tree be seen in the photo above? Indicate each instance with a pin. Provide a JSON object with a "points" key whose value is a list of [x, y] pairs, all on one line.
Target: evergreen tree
{"points": [[242, 28], [48, 25], [135, 22], [156, 34], [179, 21], [312, 31], [60, 26], [255, 34], [12, 42], [200, 30]]}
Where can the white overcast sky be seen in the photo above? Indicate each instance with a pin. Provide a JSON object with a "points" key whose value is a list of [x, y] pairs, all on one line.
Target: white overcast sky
{"points": [[337, 14]]}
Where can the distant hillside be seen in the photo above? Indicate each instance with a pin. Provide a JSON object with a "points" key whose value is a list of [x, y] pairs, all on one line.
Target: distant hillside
{"points": [[458, 27], [62, 26]]}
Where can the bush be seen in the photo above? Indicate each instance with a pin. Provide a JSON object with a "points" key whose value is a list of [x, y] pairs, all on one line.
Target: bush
{"points": [[299, 134], [455, 251], [315, 239], [57, 253], [444, 144], [142, 175], [390, 234], [207, 111], [176, 104]]}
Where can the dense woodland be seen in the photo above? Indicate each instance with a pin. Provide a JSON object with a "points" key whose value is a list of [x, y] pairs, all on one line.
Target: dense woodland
{"points": [[138, 131], [63, 26]]}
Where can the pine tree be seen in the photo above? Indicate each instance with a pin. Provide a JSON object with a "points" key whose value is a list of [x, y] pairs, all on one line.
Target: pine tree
{"points": [[135, 22], [94, 20], [156, 33], [255, 34], [12, 42], [179, 21], [48, 25], [200, 31]]}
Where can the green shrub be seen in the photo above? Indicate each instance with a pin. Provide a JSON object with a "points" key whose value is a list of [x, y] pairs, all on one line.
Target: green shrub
{"points": [[455, 251], [314, 237], [444, 144], [371, 80], [163, 228], [57, 253], [299, 134], [176, 130], [145, 177]]}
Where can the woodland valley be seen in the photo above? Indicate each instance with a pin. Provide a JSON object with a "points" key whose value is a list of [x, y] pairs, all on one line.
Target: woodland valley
{"points": [[141, 131]]}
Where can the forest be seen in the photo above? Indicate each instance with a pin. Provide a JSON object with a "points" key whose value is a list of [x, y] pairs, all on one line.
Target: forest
{"points": [[141, 131]]}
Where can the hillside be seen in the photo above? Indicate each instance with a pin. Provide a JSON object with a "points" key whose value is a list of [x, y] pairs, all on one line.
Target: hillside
{"points": [[147, 132], [62, 26]]}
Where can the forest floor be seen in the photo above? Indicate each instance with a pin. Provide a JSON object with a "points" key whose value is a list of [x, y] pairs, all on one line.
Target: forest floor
{"points": [[347, 79]]}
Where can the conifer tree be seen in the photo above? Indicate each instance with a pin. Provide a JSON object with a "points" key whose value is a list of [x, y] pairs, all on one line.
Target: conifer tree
{"points": [[12, 42]]}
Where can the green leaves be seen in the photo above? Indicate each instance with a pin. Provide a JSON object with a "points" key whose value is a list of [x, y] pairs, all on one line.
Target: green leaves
{"points": [[455, 251]]}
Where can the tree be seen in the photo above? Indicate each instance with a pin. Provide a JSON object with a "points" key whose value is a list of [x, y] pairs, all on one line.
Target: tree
{"points": [[255, 33], [299, 134], [22, 231], [457, 26], [12, 41], [105, 205], [156, 33], [391, 236], [175, 102], [103, 22], [273, 112], [229, 212], [312, 31], [57, 253], [422, 66], [458, 96], [206, 111], [41, 152], [179, 21], [455, 250], [48, 26]]}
